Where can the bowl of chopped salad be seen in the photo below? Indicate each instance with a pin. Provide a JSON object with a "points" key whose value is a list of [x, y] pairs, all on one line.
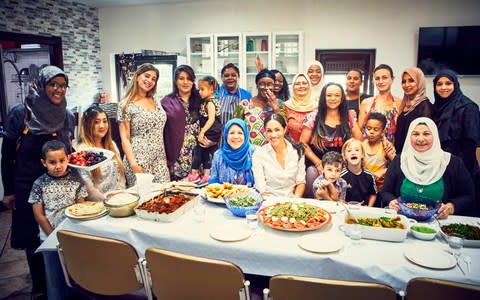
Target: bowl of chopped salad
{"points": [[417, 207], [240, 203]]}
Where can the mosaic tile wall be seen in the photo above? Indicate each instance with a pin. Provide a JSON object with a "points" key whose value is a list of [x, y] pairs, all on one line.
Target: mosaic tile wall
{"points": [[77, 25]]}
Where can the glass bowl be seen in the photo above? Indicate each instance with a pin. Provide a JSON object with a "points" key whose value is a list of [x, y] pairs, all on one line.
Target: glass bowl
{"points": [[417, 207], [121, 203], [240, 210]]}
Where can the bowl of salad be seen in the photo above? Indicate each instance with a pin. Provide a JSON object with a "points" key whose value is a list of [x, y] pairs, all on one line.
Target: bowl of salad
{"points": [[417, 207], [240, 203]]}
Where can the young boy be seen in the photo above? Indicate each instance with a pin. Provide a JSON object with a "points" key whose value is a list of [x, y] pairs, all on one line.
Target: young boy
{"points": [[378, 151], [362, 184], [329, 185], [55, 190]]}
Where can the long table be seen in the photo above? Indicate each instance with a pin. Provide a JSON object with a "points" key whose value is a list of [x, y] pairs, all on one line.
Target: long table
{"points": [[270, 252]]}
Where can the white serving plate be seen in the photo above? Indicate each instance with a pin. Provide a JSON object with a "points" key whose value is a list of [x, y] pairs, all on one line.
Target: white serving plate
{"points": [[107, 153], [429, 257], [379, 233], [163, 217], [321, 244]]}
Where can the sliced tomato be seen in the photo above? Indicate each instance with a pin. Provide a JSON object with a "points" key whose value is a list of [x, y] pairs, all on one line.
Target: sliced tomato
{"points": [[287, 225], [299, 225]]}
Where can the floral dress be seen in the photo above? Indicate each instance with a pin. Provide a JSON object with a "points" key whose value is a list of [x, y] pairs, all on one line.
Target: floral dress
{"points": [[146, 137], [183, 165]]}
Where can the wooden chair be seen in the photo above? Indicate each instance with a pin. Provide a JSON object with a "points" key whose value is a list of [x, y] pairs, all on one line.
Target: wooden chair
{"points": [[429, 288], [100, 265], [310, 288], [181, 276]]}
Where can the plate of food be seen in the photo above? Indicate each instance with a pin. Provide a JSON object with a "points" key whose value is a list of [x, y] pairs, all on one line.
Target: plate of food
{"points": [[89, 158], [165, 208], [293, 216], [86, 210], [216, 192], [471, 233], [379, 226]]}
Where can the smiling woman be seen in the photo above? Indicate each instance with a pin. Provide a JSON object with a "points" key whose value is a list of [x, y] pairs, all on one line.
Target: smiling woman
{"points": [[424, 169], [253, 112], [141, 122]]}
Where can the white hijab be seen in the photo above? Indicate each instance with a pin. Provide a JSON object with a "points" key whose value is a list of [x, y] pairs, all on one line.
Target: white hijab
{"points": [[316, 89], [424, 167]]}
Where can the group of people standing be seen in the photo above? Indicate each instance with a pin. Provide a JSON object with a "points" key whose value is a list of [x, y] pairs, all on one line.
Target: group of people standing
{"points": [[316, 140]]}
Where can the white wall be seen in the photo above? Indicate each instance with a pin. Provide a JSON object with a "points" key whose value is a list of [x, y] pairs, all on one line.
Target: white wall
{"points": [[391, 27]]}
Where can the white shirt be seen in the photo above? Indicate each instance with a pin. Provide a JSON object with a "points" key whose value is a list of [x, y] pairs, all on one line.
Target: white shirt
{"points": [[271, 177]]}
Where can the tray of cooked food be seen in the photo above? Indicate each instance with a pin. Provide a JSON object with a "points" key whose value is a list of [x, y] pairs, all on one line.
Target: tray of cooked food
{"points": [[216, 192], [294, 216], [379, 226], [470, 233], [166, 207]]}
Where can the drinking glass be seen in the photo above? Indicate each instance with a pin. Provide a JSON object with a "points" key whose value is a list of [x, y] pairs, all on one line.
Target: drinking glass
{"points": [[252, 220], [199, 211], [455, 242], [355, 233]]}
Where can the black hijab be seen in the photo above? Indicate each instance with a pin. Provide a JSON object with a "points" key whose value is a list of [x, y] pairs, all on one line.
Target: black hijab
{"points": [[445, 108]]}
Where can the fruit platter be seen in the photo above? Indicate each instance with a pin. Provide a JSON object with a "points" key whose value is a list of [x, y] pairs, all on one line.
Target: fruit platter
{"points": [[89, 159]]}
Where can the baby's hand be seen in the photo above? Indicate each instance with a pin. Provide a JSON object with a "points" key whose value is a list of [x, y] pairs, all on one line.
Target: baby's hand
{"points": [[324, 183]]}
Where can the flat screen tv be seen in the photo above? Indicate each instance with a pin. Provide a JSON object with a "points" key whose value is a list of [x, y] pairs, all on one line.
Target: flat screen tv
{"points": [[452, 47]]}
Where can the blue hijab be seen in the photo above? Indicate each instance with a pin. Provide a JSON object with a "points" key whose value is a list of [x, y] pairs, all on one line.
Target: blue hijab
{"points": [[237, 159]]}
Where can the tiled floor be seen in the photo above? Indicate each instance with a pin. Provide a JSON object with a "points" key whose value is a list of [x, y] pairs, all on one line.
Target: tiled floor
{"points": [[15, 280]]}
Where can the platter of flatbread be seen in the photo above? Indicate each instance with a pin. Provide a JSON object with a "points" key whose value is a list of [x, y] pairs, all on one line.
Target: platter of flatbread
{"points": [[86, 210]]}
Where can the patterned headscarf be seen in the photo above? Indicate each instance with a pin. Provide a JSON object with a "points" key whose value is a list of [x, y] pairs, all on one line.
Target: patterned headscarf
{"points": [[42, 116]]}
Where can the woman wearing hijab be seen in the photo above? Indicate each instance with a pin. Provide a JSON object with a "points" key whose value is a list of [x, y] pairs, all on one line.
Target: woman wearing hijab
{"points": [[42, 117], [253, 112], [424, 169], [299, 105], [415, 104], [458, 120], [316, 74], [233, 162]]}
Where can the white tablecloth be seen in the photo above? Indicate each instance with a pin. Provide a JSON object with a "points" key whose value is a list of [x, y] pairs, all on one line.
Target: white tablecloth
{"points": [[270, 252]]}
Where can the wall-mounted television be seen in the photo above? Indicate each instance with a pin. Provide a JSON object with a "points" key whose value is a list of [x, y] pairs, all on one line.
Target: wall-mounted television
{"points": [[452, 47]]}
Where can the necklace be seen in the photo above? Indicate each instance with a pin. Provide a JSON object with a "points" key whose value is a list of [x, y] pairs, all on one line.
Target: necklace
{"points": [[419, 188]]}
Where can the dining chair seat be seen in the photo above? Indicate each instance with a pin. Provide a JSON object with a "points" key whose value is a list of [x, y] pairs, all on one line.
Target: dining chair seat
{"points": [[101, 266], [180, 276], [283, 287], [422, 288]]}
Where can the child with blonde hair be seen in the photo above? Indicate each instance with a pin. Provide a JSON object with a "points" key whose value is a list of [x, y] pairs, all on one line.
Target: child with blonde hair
{"points": [[361, 182]]}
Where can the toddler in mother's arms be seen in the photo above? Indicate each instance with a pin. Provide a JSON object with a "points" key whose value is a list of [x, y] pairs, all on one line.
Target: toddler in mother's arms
{"points": [[329, 185]]}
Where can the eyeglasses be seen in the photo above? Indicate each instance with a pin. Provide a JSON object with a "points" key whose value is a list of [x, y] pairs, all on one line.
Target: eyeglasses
{"points": [[57, 86], [265, 86]]}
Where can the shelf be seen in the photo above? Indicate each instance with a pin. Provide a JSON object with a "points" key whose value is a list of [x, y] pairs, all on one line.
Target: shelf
{"points": [[206, 55], [256, 52]]}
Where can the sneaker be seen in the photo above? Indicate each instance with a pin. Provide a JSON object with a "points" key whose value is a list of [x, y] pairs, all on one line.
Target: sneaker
{"points": [[192, 178], [204, 180]]}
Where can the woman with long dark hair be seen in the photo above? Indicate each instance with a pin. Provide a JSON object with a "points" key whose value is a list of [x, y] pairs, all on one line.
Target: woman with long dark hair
{"points": [[183, 126]]}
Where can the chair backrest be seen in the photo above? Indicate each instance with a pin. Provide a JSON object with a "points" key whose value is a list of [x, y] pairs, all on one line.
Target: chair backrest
{"points": [[311, 175], [429, 288], [306, 288], [180, 276], [99, 265]]}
